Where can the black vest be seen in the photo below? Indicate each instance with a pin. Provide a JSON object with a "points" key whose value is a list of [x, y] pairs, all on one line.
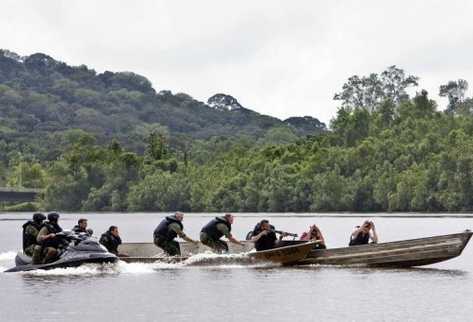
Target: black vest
{"points": [[110, 242], [360, 239], [29, 239], [163, 231], [77, 229], [211, 228], [53, 228], [267, 241]]}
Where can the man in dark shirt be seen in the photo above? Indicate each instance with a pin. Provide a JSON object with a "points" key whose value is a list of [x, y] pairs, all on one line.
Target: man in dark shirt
{"points": [[217, 228], [111, 240], [169, 228], [81, 227]]}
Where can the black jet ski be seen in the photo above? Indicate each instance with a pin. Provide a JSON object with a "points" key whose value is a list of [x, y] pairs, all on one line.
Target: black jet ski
{"points": [[75, 250]]}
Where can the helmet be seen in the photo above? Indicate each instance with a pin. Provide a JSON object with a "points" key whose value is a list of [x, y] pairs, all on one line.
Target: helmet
{"points": [[38, 217], [53, 216]]}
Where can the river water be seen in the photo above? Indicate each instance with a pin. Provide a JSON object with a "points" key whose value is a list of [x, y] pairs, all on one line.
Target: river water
{"points": [[233, 292]]}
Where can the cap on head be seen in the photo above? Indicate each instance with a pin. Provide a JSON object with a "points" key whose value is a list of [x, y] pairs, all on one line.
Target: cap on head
{"points": [[53, 216], [38, 217]]}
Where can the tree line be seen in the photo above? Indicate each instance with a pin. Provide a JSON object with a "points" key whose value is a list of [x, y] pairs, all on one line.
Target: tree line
{"points": [[385, 151]]}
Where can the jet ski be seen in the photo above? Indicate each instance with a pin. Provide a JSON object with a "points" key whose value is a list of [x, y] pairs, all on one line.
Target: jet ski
{"points": [[75, 250]]}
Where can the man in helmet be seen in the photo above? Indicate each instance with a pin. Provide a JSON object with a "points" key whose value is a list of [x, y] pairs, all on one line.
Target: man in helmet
{"points": [[217, 228], [169, 228], [48, 240], [30, 232]]}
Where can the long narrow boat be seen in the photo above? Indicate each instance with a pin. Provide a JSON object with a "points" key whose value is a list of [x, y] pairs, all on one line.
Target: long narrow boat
{"points": [[285, 255], [405, 253]]}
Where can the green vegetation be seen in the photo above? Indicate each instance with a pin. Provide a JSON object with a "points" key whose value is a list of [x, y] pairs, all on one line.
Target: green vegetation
{"points": [[45, 104], [385, 151]]}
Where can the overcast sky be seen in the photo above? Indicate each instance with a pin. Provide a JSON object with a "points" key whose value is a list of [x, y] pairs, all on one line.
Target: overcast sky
{"points": [[281, 58]]}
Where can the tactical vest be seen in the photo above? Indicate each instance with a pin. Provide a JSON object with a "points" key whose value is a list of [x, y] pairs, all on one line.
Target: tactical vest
{"points": [[360, 239], [163, 231], [52, 229], [29, 239], [211, 228]]}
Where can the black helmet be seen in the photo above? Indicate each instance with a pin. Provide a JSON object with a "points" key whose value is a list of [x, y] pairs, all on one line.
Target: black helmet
{"points": [[53, 216], [38, 217]]}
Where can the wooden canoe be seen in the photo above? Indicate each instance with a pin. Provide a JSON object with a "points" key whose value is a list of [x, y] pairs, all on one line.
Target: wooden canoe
{"points": [[149, 253], [406, 253]]}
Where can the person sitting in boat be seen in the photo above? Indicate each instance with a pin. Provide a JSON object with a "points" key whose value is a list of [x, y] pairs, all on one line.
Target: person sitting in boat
{"points": [[48, 242], [314, 234], [264, 236], [217, 228], [81, 227], [363, 234], [169, 228], [111, 240], [30, 232]]}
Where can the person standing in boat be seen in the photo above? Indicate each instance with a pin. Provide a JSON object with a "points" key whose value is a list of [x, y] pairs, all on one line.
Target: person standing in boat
{"points": [[217, 228], [30, 232], [169, 228], [314, 234], [363, 234]]}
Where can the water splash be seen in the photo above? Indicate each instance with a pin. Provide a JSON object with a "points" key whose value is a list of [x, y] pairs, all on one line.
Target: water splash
{"points": [[212, 259], [7, 256], [6, 260], [201, 260]]}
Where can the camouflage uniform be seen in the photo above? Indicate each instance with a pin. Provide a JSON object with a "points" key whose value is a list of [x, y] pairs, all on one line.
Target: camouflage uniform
{"points": [[45, 254], [32, 232]]}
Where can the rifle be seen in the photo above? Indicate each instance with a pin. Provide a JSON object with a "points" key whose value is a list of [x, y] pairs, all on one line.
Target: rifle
{"points": [[284, 232]]}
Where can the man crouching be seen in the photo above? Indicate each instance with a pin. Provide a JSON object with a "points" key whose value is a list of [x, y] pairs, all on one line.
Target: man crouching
{"points": [[169, 228]]}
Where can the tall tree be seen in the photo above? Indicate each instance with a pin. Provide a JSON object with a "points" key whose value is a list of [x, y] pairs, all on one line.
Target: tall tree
{"points": [[368, 92], [455, 92]]}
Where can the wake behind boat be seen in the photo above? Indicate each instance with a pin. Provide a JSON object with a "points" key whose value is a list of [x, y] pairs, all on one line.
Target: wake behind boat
{"points": [[77, 250], [406, 253]]}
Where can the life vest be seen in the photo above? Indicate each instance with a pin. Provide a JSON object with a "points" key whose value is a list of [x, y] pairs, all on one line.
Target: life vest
{"points": [[267, 241], [360, 239], [211, 228], [163, 231], [30, 239], [77, 229], [53, 228]]}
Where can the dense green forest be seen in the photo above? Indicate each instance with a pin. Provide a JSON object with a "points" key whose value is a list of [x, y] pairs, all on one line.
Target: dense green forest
{"points": [[385, 151], [45, 102]]}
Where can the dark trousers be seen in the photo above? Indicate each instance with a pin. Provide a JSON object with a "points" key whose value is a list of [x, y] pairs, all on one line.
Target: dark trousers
{"points": [[219, 246], [170, 247]]}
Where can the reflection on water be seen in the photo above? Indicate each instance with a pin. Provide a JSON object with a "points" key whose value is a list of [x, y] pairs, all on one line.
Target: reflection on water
{"points": [[219, 287]]}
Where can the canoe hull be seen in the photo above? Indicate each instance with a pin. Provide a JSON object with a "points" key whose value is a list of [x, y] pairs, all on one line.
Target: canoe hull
{"points": [[287, 255], [407, 253]]}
